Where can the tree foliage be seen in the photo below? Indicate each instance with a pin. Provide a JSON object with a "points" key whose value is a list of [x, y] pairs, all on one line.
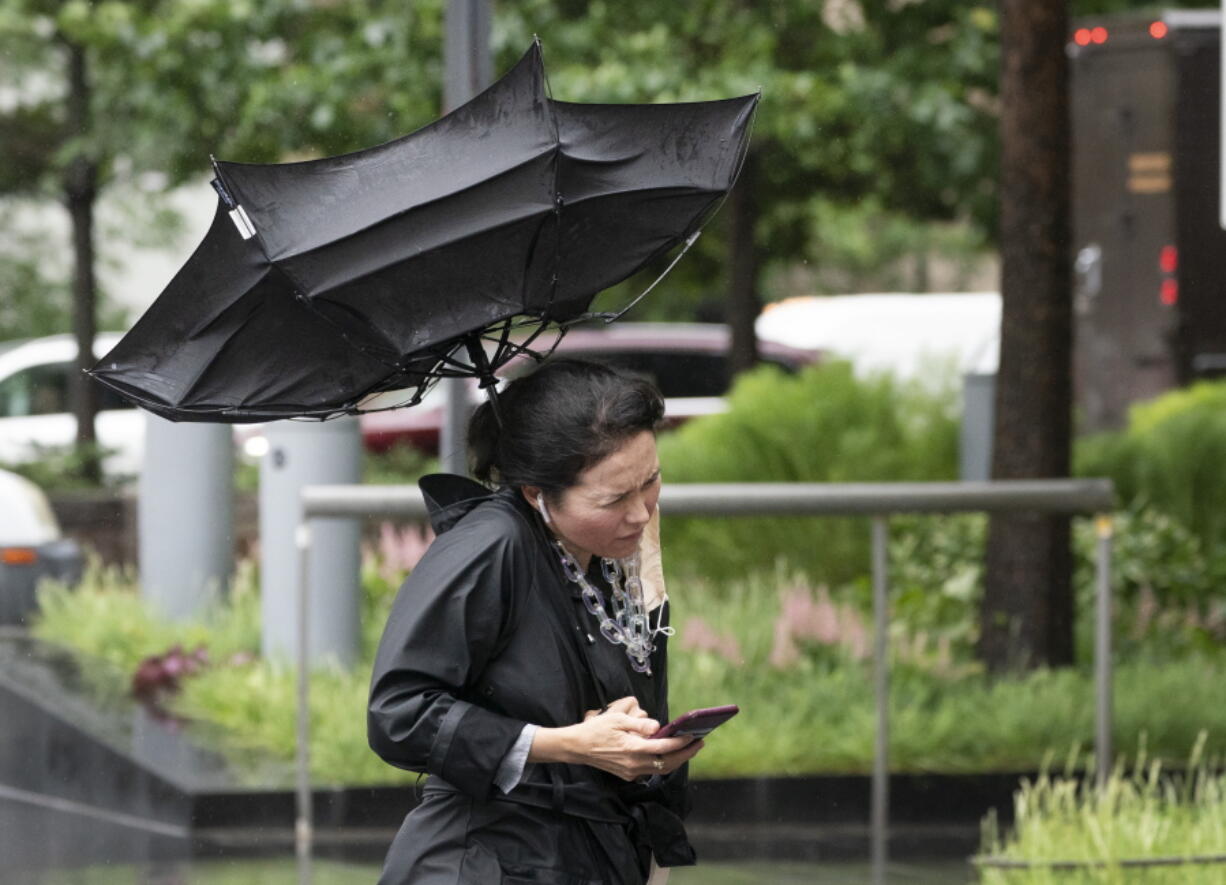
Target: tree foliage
{"points": [[873, 114], [174, 82], [877, 115]]}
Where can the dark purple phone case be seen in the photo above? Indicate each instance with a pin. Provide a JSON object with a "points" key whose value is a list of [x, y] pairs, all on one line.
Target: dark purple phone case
{"points": [[698, 723]]}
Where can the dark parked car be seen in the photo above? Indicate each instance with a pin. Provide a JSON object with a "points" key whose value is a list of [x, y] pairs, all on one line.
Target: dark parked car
{"points": [[688, 361]]}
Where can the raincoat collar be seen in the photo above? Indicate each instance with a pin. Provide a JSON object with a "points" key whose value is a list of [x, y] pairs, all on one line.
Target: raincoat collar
{"points": [[449, 498]]}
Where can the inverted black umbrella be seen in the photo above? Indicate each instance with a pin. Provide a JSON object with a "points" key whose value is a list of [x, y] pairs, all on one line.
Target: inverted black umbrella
{"points": [[325, 282]]}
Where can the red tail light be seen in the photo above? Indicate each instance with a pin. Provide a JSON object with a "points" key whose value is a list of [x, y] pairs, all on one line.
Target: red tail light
{"points": [[1169, 292], [18, 556]]}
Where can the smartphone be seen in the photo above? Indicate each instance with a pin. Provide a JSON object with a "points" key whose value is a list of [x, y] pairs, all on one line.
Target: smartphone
{"points": [[698, 723]]}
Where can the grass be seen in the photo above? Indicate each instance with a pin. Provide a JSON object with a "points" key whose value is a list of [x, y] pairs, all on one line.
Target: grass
{"points": [[793, 657], [1144, 813], [817, 715]]}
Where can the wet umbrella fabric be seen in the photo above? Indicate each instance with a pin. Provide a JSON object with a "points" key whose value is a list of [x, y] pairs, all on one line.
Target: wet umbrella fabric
{"points": [[320, 283]]}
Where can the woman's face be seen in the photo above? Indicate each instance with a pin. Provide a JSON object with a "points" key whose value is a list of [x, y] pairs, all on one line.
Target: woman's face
{"points": [[605, 511]]}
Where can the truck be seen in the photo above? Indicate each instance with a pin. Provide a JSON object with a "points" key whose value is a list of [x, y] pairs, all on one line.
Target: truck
{"points": [[1149, 245]]}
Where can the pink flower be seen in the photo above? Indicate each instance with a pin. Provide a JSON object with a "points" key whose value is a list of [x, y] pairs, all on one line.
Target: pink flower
{"points": [[806, 617], [784, 652], [242, 659], [698, 635], [400, 549]]}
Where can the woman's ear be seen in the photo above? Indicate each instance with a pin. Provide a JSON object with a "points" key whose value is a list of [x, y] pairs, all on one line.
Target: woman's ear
{"points": [[536, 499]]}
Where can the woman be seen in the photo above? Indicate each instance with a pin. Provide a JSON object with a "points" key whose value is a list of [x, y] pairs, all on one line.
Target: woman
{"points": [[523, 663]]}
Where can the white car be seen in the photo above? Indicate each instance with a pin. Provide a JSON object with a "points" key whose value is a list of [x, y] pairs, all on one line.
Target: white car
{"points": [[36, 411], [902, 333], [31, 548]]}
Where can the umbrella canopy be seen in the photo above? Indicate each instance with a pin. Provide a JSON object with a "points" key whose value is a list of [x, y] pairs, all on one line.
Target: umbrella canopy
{"points": [[323, 282]]}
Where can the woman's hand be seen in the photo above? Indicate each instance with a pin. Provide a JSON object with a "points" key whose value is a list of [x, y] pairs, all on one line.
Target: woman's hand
{"points": [[617, 741]]}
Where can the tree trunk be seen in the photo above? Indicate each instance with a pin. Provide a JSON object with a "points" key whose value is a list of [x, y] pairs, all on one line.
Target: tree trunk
{"points": [[80, 192], [1027, 616], [744, 305]]}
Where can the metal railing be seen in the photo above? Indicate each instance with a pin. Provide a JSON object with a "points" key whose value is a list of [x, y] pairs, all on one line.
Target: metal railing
{"points": [[876, 500]]}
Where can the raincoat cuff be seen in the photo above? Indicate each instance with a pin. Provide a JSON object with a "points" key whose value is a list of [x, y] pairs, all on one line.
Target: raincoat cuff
{"points": [[470, 746], [511, 771]]}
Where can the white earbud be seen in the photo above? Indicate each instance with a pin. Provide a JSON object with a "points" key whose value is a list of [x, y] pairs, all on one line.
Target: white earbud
{"points": [[540, 505]]}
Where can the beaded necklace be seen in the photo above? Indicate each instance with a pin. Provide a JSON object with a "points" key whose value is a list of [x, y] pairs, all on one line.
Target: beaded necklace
{"points": [[629, 626]]}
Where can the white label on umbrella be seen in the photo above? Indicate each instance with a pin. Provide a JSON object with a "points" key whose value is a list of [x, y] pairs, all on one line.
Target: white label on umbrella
{"points": [[246, 229]]}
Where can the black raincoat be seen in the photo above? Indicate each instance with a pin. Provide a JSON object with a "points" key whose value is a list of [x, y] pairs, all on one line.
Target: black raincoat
{"points": [[486, 635]]}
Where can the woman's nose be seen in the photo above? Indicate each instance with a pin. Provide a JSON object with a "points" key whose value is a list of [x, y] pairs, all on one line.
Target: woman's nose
{"points": [[640, 511]]}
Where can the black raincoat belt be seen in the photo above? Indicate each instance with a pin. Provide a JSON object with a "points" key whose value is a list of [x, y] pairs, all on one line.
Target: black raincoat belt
{"points": [[654, 829]]}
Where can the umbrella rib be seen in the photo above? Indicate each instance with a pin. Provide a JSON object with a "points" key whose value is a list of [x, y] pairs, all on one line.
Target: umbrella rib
{"points": [[303, 298], [558, 201], [689, 241]]}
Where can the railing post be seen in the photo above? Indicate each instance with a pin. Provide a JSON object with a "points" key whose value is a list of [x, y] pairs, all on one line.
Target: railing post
{"points": [[881, 690], [1102, 650], [303, 833]]}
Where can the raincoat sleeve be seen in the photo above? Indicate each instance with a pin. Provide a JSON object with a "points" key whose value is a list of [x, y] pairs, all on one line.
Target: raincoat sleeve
{"points": [[444, 627]]}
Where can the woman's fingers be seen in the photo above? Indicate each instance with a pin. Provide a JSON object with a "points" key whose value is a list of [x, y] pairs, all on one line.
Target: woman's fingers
{"points": [[664, 746], [628, 705], [619, 741], [667, 763], [623, 705], [642, 727]]}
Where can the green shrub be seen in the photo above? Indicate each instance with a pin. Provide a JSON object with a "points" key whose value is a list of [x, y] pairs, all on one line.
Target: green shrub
{"points": [[823, 424], [67, 468], [402, 464], [1165, 585], [251, 708], [105, 618], [1172, 455], [793, 655]]}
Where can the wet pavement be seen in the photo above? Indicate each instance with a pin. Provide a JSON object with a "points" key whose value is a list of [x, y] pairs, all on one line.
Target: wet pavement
{"points": [[286, 872]]}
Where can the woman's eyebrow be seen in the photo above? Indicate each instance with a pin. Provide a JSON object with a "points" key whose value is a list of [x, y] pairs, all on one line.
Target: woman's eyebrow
{"points": [[613, 496]]}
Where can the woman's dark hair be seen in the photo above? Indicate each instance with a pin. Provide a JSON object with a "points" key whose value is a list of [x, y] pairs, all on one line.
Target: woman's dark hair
{"points": [[558, 421]]}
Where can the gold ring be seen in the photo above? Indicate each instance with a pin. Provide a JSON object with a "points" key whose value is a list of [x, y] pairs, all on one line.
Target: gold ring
{"points": [[658, 763]]}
